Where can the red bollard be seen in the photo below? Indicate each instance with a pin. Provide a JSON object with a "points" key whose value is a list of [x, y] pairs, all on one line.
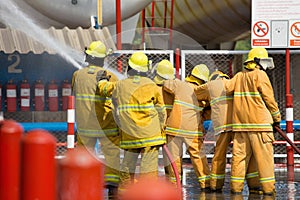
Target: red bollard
{"points": [[71, 122], [10, 159], [39, 166], [81, 176]]}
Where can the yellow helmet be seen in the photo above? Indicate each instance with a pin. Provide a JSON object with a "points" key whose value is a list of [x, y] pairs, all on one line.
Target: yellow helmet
{"points": [[164, 70], [217, 74], [96, 49], [139, 61], [199, 71], [259, 56]]}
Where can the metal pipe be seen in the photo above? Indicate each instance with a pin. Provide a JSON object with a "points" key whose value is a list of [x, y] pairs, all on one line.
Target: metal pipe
{"points": [[118, 24]]}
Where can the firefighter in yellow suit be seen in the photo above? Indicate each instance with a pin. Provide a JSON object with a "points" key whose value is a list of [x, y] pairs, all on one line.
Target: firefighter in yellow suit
{"points": [[184, 125], [255, 110], [140, 114], [165, 71], [221, 117], [93, 112]]}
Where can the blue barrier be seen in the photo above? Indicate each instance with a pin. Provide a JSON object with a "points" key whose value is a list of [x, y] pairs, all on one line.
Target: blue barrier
{"points": [[63, 126], [49, 126]]}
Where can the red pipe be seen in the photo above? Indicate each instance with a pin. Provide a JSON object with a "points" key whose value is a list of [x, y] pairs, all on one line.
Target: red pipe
{"points": [[172, 14], [38, 166], [165, 14], [119, 31], [10, 159], [287, 72], [71, 122], [171, 24], [118, 24], [177, 58], [289, 118], [81, 176], [143, 25], [153, 9]]}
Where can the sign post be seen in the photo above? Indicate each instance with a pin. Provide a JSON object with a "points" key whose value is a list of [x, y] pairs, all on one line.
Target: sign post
{"points": [[276, 24]]}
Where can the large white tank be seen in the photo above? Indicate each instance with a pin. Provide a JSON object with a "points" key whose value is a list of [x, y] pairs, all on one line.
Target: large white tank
{"points": [[74, 13]]}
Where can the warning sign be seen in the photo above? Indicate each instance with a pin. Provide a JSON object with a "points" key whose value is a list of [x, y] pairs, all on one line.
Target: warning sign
{"points": [[260, 29], [294, 35], [295, 29], [261, 33], [275, 23]]}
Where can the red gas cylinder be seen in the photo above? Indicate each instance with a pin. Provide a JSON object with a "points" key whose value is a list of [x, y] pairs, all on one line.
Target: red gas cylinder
{"points": [[52, 96], [81, 176], [10, 159], [66, 92], [11, 96], [39, 96], [25, 96], [39, 167]]}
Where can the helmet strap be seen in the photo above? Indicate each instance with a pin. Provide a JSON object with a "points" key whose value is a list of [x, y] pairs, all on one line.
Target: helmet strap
{"points": [[257, 61]]}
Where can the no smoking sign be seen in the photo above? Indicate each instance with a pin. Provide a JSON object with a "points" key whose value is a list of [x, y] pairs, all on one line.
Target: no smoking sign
{"points": [[260, 29]]}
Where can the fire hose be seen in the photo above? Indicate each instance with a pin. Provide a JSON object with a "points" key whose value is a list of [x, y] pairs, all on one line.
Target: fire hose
{"points": [[287, 139], [165, 148]]}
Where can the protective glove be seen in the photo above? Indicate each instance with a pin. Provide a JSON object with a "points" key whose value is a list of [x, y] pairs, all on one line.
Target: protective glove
{"points": [[276, 124], [102, 75]]}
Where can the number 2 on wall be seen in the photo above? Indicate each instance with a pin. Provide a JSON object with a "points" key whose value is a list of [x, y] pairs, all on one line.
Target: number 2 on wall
{"points": [[12, 68]]}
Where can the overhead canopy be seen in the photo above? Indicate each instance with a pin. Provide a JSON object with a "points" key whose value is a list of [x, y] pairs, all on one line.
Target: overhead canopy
{"points": [[12, 40]]}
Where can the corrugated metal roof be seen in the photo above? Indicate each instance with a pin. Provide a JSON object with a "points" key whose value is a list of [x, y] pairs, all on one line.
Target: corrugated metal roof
{"points": [[12, 40]]}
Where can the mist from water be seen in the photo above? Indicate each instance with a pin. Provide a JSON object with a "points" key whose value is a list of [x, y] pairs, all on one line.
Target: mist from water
{"points": [[12, 16]]}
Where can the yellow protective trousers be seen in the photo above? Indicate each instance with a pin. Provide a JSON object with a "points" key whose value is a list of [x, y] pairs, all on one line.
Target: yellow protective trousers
{"points": [[217, 178], [253, 145], [218, 167], [148, 164], [109, 146], [196, 151]]}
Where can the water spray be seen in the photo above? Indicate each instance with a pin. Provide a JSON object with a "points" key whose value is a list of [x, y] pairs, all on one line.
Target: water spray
{"points": [[20, 21]]}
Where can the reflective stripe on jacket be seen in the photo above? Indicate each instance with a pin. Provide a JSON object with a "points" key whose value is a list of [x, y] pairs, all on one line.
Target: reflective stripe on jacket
{"points": [[185, 118], [93, 112], [254, 108], [221, 104], [139, 109]]}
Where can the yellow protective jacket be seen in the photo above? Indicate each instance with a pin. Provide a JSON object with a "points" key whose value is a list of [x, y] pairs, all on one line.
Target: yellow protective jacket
{"points": [[139, 110], [221, 104], [168, 100], [254, 107], [93, 112], [185, 119]]}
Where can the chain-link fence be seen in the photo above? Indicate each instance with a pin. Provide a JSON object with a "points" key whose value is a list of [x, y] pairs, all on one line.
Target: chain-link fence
{"points": [[229, 62]]}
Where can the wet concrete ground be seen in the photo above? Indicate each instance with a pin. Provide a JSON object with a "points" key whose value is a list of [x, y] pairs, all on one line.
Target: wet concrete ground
{"points": [[284, 188]]}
